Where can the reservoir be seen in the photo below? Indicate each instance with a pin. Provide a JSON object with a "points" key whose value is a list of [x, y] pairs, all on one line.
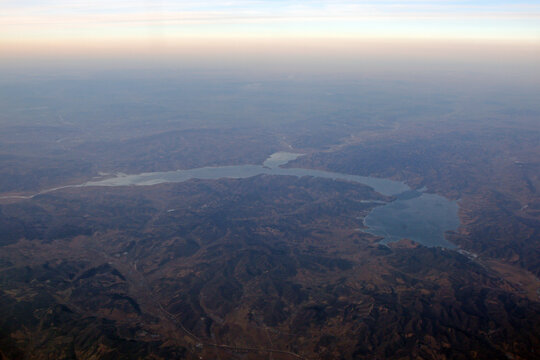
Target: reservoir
{"points": [[424, 219], [414, 215], [270, 167]]}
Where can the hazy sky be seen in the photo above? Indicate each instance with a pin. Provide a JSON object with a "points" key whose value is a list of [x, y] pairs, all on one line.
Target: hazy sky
{"points": [[449, 43], [105, 26], [102, 19]]}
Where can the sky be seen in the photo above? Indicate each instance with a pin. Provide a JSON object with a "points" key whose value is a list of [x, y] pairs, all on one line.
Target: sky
{"points": [[72, 26]]}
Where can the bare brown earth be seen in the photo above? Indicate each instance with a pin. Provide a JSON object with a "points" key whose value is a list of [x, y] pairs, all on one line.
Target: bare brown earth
{"points": [[271, 267], [265, 267]]}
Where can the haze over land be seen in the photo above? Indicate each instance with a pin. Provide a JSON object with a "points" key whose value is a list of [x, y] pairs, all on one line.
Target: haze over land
{"points": [[408, 228]]}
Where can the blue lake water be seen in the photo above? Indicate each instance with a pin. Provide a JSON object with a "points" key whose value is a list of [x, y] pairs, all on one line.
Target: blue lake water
{"points": [[423, 219], [414, 215]]}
